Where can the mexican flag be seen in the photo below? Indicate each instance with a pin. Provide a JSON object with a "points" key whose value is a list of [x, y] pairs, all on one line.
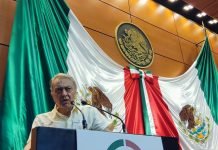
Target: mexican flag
{"points": [[47, 38], [185, 106]]}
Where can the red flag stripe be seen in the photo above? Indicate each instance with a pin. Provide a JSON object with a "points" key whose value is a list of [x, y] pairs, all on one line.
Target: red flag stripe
{"points": [[163, 121], [132, 98]]}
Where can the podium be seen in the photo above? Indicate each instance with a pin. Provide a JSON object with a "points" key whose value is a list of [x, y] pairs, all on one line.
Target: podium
{"points": [[46, 138]]}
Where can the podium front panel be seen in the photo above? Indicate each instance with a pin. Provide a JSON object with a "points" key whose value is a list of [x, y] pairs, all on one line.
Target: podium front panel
{"points": [[54, 139], [46, 138], [96, 140]]}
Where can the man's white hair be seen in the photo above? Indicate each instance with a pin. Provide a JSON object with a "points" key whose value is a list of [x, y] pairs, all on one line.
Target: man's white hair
{"points": [[62, 76]]}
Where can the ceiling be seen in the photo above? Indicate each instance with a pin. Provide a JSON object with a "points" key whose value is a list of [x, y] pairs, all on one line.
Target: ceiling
{"points": [[207, 6]]}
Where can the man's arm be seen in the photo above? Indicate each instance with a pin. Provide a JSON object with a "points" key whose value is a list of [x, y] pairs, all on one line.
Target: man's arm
{"points": [[35, 124], [28, 145]]}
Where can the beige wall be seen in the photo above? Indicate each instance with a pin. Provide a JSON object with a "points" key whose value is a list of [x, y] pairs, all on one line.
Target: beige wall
{"points": [[173, 37]]}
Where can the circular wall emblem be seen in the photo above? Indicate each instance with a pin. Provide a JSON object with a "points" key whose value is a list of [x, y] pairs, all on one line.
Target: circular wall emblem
{"points": [[134, 45], [122, 144]]}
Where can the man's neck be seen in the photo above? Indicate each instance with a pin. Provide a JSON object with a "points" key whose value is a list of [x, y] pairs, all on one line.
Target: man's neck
{"points": [[64, 111]]}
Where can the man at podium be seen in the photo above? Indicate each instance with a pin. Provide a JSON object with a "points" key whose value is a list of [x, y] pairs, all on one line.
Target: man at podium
{"points": [[65, 113]]}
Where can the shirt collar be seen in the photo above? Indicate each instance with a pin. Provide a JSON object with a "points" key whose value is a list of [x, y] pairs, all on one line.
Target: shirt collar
{"points": [[55, 113]]}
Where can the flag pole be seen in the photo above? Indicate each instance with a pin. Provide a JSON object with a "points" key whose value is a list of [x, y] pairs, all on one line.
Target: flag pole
{"points": [[205, 33], [204, 29]]}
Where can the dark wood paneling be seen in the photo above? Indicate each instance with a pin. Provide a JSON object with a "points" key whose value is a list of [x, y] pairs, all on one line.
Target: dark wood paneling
{"points": [[98, 16], [153, 13], [163, 43], [213, 39], [121, 4], [189, 51], [208, 6], [109, 46], [188, 29], [215, 56], [3, 62], [166, 67], [7, 11], [172, 37]]}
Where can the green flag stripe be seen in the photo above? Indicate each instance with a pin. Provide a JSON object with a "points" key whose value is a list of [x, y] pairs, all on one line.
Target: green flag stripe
{"points": [[144, 108], [208, 76], [38, 50]]}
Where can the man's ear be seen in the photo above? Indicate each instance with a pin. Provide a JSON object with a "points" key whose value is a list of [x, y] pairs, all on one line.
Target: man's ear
{"points": [[52, 93]]}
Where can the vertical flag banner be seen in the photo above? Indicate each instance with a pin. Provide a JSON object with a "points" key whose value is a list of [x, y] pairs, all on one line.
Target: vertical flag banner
{"points": [[36, 52], [186, 106]]}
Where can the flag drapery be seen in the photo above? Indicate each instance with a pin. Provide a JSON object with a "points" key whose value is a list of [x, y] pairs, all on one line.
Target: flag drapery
{"points": [[184, 106], [47, 38], [36, 53]]}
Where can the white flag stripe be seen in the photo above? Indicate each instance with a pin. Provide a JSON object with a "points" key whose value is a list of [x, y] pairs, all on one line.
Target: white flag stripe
{"points": [[90, 66], [150, 116], [187, 91]]}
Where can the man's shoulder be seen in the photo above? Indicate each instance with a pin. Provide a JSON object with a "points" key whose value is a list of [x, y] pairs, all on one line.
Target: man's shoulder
{"points": [[43, 119], [85, 107], [89, 109], [44, 115]]}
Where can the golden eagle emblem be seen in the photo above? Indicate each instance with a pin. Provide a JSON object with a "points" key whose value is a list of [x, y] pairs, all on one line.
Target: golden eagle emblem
{"points": [[100, 100], [194, 125], [187, 114], [95, 97]]}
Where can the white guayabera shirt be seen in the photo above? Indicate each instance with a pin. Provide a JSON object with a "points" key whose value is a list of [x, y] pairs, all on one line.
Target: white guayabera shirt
{"points": [[95, 120]]}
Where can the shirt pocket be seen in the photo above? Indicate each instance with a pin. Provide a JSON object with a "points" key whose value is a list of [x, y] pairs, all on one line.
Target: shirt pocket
{"points": [[77, 125], [57, 124]]}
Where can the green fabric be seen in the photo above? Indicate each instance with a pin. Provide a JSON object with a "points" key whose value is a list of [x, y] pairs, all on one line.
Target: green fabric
{"points": [[208, 75], [144, 107], [37, 51]]}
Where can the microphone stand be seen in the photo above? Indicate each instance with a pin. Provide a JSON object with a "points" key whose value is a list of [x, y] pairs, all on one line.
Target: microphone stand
{"points": [[123, 124], [84, 123]]}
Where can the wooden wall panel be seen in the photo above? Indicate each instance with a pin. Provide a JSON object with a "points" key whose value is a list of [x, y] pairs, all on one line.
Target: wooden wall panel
{"points": [[109, 46], [189, 51], [7, 11], [166, 67], [120, 4], [172, 36], [3, 62], [154, 14], [215, 56], [188, 30], [213, 39], [163, 43], [97, 15]]}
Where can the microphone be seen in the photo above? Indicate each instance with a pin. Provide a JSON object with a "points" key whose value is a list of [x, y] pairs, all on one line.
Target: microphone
{"points": [[84, 123], [123, 124]]}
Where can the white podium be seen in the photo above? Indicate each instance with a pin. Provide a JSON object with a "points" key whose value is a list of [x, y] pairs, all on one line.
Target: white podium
{"points": [[45, 138]]}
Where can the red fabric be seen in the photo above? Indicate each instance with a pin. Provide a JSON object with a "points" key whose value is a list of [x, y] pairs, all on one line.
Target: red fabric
{"points": [[133, 118], [162, 117]]}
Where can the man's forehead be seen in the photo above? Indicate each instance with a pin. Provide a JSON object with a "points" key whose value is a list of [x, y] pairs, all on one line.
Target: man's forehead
{"points": [[63, 82]]}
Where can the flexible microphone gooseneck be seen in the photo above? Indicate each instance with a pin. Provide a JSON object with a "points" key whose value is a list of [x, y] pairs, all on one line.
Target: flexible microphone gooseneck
{"points": [[123, 124], [84, 123]]}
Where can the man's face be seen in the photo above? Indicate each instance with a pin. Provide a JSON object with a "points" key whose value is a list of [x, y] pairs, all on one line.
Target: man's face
{"points": [[63, 93]]}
